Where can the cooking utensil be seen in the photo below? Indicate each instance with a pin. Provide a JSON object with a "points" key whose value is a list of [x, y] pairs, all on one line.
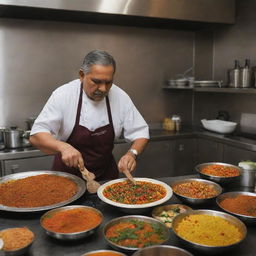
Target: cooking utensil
{"points": [[129, 176], [91, 184], [207, 83], [21, 175]]}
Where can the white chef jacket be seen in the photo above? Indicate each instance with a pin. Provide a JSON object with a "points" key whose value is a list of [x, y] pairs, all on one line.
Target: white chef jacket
{"points": [[59, 113]]}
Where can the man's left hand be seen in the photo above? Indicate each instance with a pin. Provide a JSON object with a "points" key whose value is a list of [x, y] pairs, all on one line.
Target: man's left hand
{"points": [[127, 162]]}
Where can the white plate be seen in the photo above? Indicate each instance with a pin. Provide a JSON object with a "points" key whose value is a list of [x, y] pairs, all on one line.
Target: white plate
{"points": [[219, 126], [168, 195]]}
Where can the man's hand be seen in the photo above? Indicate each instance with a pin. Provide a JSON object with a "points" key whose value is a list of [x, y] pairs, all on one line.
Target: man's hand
{"points": [[127, 162], [71, 157]]}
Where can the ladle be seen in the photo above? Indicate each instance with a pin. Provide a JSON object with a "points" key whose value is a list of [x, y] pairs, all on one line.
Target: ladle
{"points": [[91, 185]]}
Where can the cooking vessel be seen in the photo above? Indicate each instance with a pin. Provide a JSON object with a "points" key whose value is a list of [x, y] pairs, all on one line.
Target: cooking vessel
{"points": [[207, 83], [15, 138], [30, 121]]}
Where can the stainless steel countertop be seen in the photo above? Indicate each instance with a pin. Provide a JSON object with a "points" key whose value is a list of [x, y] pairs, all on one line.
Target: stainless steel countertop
{"points": [[155, 135]]}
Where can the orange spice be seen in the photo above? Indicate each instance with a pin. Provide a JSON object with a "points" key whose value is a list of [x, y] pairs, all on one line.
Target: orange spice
{"points": [[16, 238], [72, 220], [36, 191]]}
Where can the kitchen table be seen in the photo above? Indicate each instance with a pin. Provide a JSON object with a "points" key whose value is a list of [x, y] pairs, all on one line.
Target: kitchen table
{"points": [[45, 245]]}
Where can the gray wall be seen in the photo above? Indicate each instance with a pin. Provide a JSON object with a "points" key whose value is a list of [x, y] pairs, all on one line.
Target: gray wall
{"points": [[230, 42], [38, 56]]}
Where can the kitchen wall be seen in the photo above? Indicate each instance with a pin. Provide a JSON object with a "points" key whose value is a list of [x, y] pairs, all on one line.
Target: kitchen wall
{"points": [[229, 43], [38, 56]]}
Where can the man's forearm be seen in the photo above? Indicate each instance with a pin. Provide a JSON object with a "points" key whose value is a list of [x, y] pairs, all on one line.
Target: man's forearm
{"points": [[139, 144], [47, 143]]}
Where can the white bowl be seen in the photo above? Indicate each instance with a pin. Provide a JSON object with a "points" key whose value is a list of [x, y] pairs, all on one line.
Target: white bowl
{"points": [[219, 126], [135, 208]]}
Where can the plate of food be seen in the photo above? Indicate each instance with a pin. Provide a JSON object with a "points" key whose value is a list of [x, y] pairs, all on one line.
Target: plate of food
{"points": [[39, 190], [146, 193]]}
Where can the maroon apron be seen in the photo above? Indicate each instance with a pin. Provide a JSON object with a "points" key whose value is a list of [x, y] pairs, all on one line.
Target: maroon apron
{"points": [[95, 146]]}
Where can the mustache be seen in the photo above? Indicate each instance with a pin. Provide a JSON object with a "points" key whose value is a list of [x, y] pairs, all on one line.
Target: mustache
{"points": [[99, 93]]}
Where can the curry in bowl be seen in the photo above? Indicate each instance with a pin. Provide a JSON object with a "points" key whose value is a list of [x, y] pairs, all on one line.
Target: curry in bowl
{"points": [[220, 170], [134, 231]]}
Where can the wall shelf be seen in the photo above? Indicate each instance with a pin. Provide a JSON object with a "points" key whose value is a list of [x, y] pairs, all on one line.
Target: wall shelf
{"points": [[213, 89]]}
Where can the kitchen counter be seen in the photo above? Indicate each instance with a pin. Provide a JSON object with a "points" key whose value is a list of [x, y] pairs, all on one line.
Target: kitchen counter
{"points": [[155, 135], [44, 245]]}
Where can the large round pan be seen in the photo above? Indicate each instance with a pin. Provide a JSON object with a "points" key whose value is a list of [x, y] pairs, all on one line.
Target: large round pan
{"points": [[79, 182]]}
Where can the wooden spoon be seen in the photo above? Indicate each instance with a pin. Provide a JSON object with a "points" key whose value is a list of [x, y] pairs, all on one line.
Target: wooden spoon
{"points": [[129, 176], [91, 185]]}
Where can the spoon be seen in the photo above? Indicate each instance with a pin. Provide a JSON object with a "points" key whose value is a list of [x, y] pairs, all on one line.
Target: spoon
{"points": [[91, 185], [129, 176]]}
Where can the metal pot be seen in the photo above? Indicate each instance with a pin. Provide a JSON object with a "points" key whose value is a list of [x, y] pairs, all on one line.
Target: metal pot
{"points": [[30, 121], [14, 138]]}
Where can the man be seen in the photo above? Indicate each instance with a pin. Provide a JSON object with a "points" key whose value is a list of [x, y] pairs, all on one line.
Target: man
{"points": [[82, 118]]}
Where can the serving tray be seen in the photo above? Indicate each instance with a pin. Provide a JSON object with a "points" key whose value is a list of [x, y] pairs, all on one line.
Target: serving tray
{"points": [[21, 175]]}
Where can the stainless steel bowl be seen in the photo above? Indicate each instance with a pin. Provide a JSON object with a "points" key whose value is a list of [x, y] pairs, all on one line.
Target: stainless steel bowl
{"points": [[215, 250], [105, 253], [218, 179], [197, 201], [247, 219], [165, 230], [17, 252], [70, 236], [162, 250], [158, 210]]}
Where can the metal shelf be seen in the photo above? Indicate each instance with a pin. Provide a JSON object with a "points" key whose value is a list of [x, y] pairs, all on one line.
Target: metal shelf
{"points": [[213, 89]]}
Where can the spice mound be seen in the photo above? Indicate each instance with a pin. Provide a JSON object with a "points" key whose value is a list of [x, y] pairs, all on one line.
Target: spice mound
{"points": [[136, 234], [36, 191], [195, 189], [241, 204], [16, 238], [72, 220], [127, 193], [220, 170], [208, 230]]}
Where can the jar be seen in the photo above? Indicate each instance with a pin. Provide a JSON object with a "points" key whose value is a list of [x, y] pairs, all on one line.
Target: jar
{"points": [[177, 121], [168, 124]]}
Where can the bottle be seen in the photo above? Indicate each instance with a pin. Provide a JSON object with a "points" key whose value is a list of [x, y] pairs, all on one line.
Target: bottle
{"points": [[177, 121], [246, 74], [234, 76]]}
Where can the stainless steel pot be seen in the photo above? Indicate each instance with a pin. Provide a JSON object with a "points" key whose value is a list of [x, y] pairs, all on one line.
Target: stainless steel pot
{"points": [[15, 138], [30, 121]]}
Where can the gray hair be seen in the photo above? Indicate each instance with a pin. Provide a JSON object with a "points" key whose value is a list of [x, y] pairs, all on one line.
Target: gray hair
{"points": [[97, 57]]}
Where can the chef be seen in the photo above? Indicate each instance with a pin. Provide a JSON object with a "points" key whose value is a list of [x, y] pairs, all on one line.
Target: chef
{"points": [[82, 118]]}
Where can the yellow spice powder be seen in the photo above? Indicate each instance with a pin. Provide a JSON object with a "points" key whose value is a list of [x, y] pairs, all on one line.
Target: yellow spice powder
{"points": [[208, 230]]}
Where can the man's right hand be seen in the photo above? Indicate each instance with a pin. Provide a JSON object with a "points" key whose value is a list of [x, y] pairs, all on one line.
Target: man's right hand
{"points": [[71, 157]]}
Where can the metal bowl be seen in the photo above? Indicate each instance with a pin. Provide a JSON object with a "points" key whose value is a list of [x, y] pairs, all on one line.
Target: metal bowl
{"points": [[218, 179], [165, 230], [245, 218], [104, 252], [162, 250], [135, 208], [197, 201], [215, 250], [17, 252], [157, 211], [70, 236]]}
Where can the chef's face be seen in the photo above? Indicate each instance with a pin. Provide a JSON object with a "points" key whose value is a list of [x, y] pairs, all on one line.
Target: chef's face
{"points": [[97, 82]]}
